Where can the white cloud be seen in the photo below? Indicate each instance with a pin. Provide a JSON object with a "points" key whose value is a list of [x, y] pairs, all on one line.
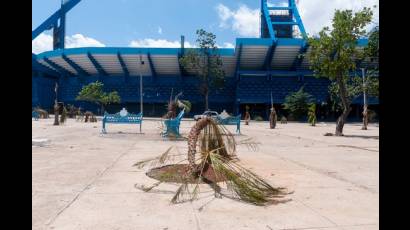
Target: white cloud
{"points": [[244, 21], [158, 43], [79, 40], [315, 15], [278, 3], [44, 42], [224, 14], [159, 30], [315, 18], [226, 45]]}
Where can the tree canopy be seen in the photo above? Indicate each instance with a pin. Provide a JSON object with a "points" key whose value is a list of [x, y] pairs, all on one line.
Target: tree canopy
{"points": [[297, 103], [334, 54], [205, 63], [94, 93]]}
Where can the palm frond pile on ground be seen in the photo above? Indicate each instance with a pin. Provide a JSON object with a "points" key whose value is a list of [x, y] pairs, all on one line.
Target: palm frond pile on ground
{"points": [[216, 165]]}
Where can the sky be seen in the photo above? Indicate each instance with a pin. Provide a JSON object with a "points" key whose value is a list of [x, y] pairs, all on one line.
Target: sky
{"points": [[160, 23]]}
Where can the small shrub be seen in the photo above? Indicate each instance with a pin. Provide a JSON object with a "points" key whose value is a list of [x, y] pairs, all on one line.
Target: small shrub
{"points": [[258, 118], [372, 115], [63, 116]]}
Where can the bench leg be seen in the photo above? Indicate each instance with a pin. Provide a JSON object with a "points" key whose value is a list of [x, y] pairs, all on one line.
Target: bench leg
{"points": [[103, 128]]}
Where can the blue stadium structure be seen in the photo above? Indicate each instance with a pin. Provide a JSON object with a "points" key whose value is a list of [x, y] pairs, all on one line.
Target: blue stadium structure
{"points": [[255, 68]]}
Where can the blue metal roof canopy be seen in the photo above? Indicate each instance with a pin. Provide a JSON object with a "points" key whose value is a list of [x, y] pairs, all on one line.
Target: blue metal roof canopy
{"points": [[277, 50]]}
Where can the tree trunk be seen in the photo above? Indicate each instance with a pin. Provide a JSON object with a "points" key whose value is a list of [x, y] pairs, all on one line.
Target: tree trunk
{"points": [[192, 140], [346, 106], [247, 118], [56, 108], [102, 109], [365, 118], [272, 118]]}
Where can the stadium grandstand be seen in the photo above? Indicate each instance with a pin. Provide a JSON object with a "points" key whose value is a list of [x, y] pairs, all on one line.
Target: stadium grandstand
{"points": [[256, 68]]}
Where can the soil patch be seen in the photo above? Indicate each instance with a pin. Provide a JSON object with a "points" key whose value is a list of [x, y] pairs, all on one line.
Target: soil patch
{"points": [[179, 173]]}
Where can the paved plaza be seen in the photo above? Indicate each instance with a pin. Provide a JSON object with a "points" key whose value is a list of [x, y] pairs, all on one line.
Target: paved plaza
{"points": [[82, 179]]}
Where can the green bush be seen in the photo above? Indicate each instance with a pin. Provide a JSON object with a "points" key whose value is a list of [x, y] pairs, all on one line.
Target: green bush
{"points": [[297, 103], [258, 118]]}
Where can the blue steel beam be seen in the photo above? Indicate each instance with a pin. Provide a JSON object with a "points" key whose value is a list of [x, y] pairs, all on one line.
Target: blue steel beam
{"points": [[280, 8], [238, 61], [53, 19], [298, 19], [123, 65], [60, 69], [269, 56], [285, 23], [97, 65], [299, 57], [151, 65], [42, 68], [265, 14], [77, 68]]}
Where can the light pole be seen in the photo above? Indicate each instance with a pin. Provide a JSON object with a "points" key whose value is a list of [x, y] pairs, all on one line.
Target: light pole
{"points": [[364, 101], [141, 96]]}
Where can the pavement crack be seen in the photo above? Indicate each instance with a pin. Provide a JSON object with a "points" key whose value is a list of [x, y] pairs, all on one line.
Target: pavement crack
{"points": [[88, 186], [354, 147], [329, 174], [317, 212]]}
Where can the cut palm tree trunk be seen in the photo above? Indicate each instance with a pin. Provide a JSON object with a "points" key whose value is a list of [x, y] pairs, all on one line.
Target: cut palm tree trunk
{"points": [[273, 118]]}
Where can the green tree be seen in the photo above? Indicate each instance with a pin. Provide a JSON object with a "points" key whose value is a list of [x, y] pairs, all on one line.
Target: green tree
{"points": [[357, 85], [297, 103], [205, 63], [334, 51], [94, 93], [371, 79]]}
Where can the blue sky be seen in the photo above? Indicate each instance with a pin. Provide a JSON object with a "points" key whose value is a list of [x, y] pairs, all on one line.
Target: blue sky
{"points": [[162, 22]]}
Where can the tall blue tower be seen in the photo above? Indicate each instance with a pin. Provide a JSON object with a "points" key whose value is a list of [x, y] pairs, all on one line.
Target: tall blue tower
{"points": [[57, 23], [278, 21]]}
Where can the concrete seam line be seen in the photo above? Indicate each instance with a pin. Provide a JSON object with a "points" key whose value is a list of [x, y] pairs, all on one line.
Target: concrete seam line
{"points": [[88, 186], [320, 171], [317, 212]]}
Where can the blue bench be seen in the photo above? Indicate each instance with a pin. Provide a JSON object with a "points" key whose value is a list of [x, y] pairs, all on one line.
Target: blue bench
{"points": [[122, 117], [35, 115], [230, 121], [172, 125]]}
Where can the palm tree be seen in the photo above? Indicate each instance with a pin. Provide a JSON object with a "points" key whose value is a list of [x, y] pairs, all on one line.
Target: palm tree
{"points": [[174, 104], [247, 116]]}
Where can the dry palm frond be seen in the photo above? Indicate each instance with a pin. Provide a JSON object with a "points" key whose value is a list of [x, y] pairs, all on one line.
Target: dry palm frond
{"points": [[160, 160], [250, 144], [180, 194], [244, 184], [147, 189]]}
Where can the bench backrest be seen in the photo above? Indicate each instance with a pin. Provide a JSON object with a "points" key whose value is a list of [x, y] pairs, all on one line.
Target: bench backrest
{"points": [[180, 115], [35, 114], [117, 118], [229, 120]]}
